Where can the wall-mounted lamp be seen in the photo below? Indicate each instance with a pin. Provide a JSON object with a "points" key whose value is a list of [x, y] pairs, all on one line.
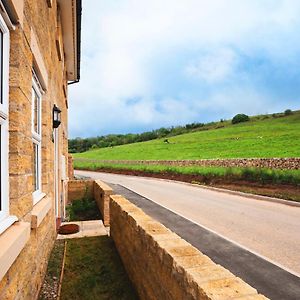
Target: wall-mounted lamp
{"points": [[56, 116]]}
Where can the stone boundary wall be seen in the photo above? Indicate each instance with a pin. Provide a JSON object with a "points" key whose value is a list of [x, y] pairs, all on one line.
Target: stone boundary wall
{"points": [[78, 189], [70, 167], [269, 163], [161, 265], [102, 193]]}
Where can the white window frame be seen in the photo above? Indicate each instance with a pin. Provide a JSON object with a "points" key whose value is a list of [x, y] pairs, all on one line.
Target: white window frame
{"points": [[4, 212], [37, 195], [5, 219]]}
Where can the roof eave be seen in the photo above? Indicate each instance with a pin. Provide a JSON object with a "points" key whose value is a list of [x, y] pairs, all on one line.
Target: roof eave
{"points": [[71, 11]]}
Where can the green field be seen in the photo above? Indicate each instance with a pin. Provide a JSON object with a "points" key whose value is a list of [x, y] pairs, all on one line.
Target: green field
{"points": [[260, 137]]}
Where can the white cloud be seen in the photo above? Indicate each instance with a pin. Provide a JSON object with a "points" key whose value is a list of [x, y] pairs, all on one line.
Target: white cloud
{"points": [[213, 67], [126, 42]]}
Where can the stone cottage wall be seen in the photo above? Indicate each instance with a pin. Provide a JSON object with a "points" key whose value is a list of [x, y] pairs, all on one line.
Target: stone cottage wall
{"points": [[33, 42]]}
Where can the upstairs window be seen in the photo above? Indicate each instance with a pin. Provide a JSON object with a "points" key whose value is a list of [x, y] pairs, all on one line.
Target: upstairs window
{"points": [[4, 183], [36, 127]]}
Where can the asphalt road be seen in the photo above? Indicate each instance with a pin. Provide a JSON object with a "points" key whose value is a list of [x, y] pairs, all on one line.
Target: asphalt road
{"points": [[269, 230]]}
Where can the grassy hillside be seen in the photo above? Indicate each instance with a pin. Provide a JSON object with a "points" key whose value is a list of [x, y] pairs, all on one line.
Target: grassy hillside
{"points": [[269, 137]]}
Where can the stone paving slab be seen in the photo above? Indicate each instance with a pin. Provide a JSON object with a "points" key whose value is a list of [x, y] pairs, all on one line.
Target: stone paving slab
{"points": [[86, 229]]}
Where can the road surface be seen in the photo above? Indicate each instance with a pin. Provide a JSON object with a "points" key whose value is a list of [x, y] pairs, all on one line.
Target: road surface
{"points": [[271, 230]]}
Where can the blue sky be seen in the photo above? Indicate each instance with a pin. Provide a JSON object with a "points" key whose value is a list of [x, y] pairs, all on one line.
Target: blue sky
{"points": [[148, 64]]}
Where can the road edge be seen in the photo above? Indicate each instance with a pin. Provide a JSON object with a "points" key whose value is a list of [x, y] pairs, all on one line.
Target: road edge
{"points": [[221, 190]]}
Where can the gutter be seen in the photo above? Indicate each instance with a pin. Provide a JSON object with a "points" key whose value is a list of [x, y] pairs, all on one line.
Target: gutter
{"points": [[8, 15], [74, 81]]}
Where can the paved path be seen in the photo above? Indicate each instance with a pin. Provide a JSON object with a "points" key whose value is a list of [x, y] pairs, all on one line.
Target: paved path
{"points": [[86, 229], [270, 229]]}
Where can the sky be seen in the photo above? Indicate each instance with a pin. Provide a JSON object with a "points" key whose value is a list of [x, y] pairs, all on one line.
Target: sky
{"points": [[160, 63]]}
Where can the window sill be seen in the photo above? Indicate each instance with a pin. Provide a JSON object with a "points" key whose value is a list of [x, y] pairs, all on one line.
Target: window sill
{"points": [[12, 241], [40, 211], [7, 222], [37, 196]]}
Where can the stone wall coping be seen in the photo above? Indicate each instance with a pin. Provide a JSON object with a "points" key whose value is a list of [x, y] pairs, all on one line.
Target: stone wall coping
{"points": [[12, 241], [105, 188], [80, 181], [191, 270], [39, 212]]}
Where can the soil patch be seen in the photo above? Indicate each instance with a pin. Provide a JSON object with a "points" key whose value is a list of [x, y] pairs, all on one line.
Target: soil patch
{"points": [[283, 191]]}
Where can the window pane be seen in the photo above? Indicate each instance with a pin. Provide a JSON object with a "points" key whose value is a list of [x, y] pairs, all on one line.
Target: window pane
{"points": [[0, 168], [35, 168], [36, 112], [1, 67]]}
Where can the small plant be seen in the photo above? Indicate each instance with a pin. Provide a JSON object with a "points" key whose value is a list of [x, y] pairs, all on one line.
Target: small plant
{"points": [[83, 209], [239, 118], [288, 112]]}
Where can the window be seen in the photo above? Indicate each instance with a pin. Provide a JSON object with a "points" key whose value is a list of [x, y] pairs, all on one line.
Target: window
{"points": [[37, 140], [4, 183], [4, 42]]}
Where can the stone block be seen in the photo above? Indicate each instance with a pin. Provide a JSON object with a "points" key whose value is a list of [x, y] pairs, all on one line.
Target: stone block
{"points": [[20, 164], [193, 261], [209, 273], [21, 206], [224, 289], [20, 185]]}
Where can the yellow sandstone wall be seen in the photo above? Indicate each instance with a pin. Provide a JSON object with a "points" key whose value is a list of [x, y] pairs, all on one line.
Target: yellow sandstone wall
{"points": [[70, 167], [38, 29], [102, 193], [79, 189], [161, 265]]}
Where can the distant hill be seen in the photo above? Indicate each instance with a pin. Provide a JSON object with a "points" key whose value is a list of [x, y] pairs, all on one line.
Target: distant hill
{"points": [[276, 135]]}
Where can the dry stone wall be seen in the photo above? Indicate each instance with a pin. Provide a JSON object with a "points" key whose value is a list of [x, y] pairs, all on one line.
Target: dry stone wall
{"points": [[269, 163], [161, 265]]}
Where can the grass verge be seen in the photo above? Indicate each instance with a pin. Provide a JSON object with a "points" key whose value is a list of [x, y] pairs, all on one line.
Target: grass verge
{"points": [[284, 184], [93, 270]]}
